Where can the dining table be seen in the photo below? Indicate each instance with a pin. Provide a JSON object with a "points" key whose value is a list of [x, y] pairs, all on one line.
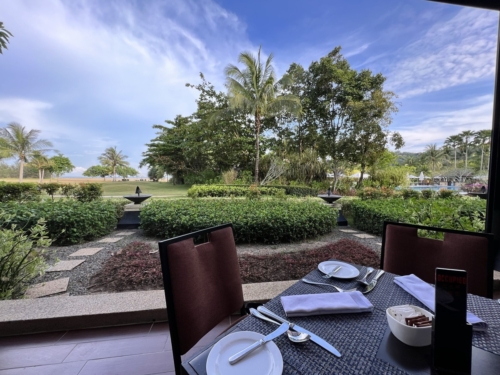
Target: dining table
{"points": [[364, 340]]}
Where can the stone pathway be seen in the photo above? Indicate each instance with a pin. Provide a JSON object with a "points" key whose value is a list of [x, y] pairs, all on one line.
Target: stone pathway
{"points": [[59, 286]]}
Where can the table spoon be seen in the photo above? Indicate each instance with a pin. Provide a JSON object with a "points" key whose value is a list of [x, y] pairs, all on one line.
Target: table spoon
{"points": [[369, 270], [293, 336]]}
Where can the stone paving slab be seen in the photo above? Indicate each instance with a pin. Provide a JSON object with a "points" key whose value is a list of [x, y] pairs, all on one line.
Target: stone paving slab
{"points": [[364, 235], [379, 243], [124, 233], [47, 288], [86, 251], [65, 265], [110, 239], [348, 230]]}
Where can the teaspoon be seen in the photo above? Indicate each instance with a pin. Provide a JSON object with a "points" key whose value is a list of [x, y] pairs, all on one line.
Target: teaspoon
{"points": [[293, 336]]}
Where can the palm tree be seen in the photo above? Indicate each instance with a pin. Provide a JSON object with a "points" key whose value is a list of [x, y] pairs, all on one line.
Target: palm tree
{"points": [[453, 142], [21, 144], [4, 37], [41, 162], [113, 158], [255, 91], [482, 139], [433, 155], [466, 140]]}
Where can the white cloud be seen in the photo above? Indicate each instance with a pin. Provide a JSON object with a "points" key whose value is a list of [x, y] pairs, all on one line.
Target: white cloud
{"points": [[435, 127], [458, 51]]}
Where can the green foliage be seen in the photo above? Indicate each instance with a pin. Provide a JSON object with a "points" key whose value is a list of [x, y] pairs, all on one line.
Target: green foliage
{"points": [[253, 193], [21, 256], [390, 176], [410, 193], [126, 171], [200, 191], [297, 191], [445, 194], [68, 189], [19, 192], [98, 171], [51, 188], [59, 165], [88, 192], [427, 194], [267, 221], [454, 213], [67, 221], [374, 193]]}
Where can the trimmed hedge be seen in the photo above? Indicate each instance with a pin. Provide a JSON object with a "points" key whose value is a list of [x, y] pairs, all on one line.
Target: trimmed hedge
{"points": [[19, 192], [68, 221], [268, 221], [298, 191], [218, 191], [453, 213]]}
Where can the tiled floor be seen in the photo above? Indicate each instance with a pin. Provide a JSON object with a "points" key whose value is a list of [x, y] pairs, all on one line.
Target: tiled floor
{"points": [[137, 350]]}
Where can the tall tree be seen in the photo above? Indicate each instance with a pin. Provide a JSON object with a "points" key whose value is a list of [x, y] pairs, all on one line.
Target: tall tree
{"points": [[40, 162], [113, 158], [98, 171], [60, 164], [466, 140], [256, 91], [433, 155], [482, 139], [4, 37], [453, 142], [19, 143], [125, 172]]}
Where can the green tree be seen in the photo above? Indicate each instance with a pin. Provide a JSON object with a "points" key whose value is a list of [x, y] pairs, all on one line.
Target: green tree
{"points": [[40, 162], [98, 171], [155, 173], [4, 37], [433, 156], [256, 91], [60, 164], [466, 140], [113, 158], [482, 139], [125, 172], [453, 142], [19, 143]]}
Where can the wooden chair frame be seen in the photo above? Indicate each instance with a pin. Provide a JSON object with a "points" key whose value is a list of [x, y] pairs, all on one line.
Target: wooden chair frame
{"points": [[169, 296], [488, 236]]}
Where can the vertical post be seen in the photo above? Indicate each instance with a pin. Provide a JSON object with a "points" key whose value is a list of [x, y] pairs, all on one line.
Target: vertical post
{"points": [[493, 205]]}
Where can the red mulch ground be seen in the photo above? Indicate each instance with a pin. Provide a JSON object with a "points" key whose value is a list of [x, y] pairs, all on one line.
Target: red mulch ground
{"points": [[135, 268]]}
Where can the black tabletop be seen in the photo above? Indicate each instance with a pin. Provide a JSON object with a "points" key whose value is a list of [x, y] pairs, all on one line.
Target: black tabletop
{"points": [[366, 344]]}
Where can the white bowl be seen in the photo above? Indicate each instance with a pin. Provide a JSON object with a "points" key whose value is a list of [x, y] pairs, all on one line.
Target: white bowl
{"points": [[413, 336]]}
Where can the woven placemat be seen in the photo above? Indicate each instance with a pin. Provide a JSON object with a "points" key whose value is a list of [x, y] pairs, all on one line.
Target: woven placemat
{"points": [[357, 336]]}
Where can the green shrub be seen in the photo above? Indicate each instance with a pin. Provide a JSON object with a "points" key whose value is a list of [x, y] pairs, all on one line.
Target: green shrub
{"points": [[19, 192], [220, 191], [50, 188], [445, 194], [68, 189], [297, 191], [454, 213], [21, 257], [374, 193], [253, 193], [427, 194], [67, 221], [88, 192], [261, 221], [410, 193]]}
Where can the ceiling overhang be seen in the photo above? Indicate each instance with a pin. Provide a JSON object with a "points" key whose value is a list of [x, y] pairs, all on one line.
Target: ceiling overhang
{"points": [[486, 4]]}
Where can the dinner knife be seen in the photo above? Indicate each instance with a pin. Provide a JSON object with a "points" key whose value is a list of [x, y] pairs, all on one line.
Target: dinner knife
{"points": [[243, 353], [318, 340], [372, 283]]}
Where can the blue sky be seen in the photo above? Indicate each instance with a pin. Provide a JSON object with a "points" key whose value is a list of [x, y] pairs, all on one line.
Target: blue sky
{"points": [[92, 74]]}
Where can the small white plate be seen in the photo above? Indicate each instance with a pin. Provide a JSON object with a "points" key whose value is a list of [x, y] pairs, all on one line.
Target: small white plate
{"points": [[266, 360], [346, 272]]}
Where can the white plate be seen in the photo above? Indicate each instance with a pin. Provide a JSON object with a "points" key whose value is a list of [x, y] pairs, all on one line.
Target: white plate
{"points": [[346, 272], [266, 360]]}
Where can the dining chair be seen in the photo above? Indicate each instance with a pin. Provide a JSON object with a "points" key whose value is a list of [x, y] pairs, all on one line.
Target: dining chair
{"points": [[404, 252], [202, 285]]}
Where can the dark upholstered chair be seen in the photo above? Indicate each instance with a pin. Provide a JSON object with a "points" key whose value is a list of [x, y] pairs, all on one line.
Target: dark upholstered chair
{"points": [[404, 252], [202, 285]]}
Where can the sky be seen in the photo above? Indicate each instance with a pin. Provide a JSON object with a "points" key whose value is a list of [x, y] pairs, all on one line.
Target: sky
{"points": [[91, 74]]}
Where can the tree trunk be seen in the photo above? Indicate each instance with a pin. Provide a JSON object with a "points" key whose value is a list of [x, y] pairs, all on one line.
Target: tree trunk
{"points": [[257, 146], [466, 158], [482, 155], [39, 176], [21, 170], [455, 158], [114, 173]]}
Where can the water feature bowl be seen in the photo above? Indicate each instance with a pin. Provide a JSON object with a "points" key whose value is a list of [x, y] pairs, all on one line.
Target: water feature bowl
{"points": [[139, 198], [329, 198]]}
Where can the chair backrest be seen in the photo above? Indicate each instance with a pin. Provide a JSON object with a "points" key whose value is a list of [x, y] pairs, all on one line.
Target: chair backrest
{"points": [[202, 285], [404, 252]]}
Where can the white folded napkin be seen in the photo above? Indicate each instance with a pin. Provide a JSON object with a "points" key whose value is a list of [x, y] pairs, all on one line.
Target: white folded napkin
{"points": [[325, 303], [425, 293]]}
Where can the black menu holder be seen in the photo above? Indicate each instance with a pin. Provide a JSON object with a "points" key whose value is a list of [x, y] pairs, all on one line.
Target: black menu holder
{"points": [[451, 334]]}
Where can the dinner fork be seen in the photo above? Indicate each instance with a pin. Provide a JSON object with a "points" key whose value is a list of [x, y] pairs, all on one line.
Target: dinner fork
{"points": [[336, 287]]}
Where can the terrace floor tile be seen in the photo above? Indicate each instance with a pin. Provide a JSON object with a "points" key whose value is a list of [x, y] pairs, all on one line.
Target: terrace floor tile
{"points": [[110, 239], [124, 233], [364, 235], [348, 230]]}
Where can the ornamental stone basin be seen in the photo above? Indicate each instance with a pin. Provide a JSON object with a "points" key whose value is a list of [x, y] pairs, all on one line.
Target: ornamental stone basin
{"points": [[329, 198], [139, 198]]}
